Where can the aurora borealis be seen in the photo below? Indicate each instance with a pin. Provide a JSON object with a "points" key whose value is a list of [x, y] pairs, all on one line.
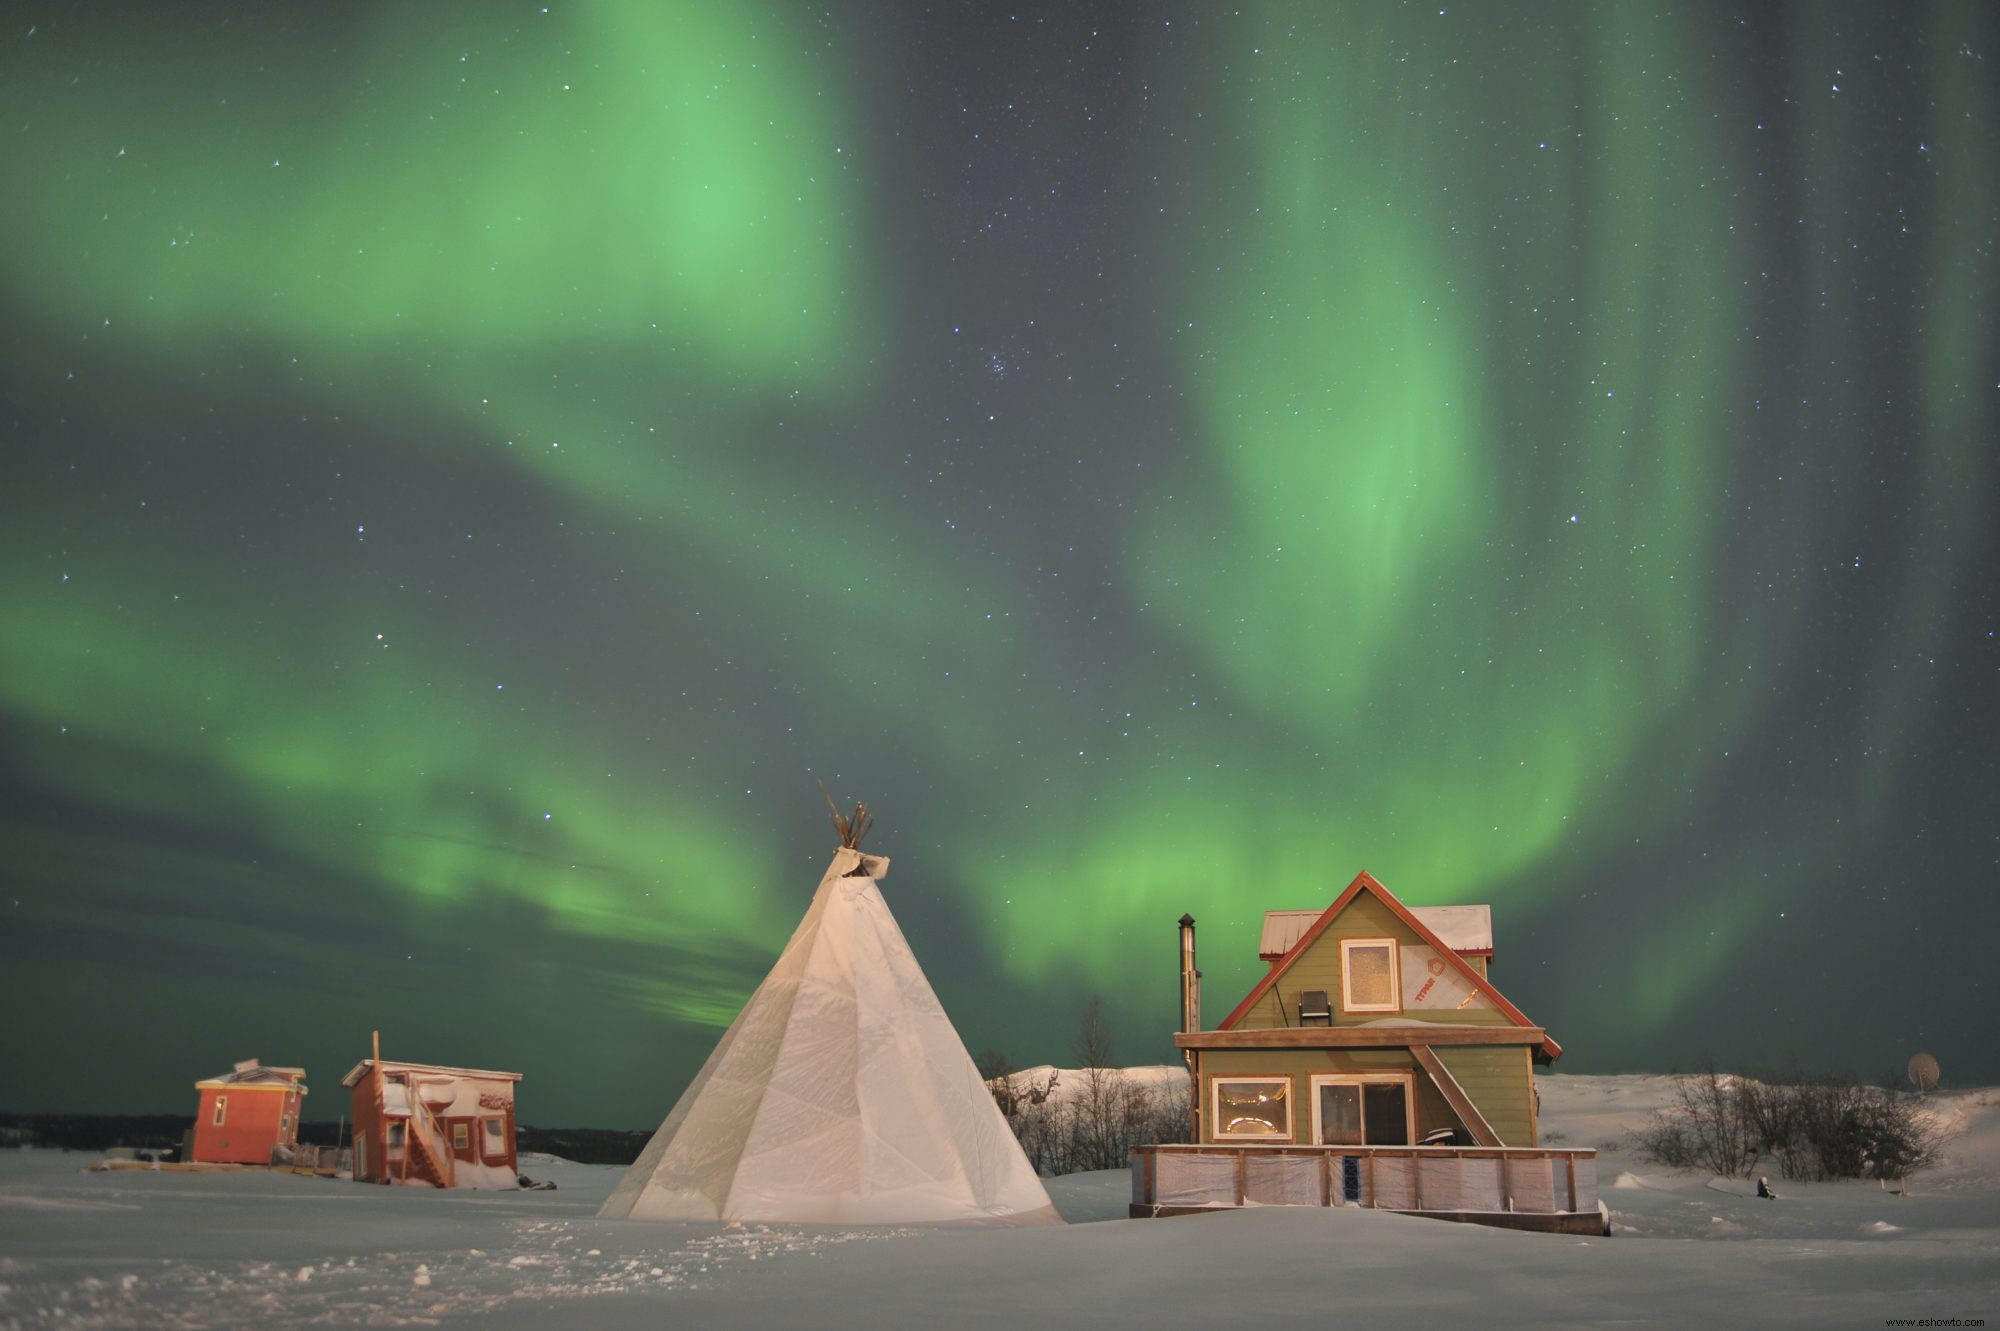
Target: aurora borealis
{"points": [[469, 472]]}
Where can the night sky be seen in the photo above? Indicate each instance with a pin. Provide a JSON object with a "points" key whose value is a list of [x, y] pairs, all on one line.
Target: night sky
{"points": [[468, 474]]}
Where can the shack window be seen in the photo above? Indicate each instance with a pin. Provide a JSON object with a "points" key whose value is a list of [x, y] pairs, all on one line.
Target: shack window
{"points": [[396, 1135], [221, 1109], [1251, 1108], [461, 1136], [1368, 979], [1363, 1110], [496, 1138]]}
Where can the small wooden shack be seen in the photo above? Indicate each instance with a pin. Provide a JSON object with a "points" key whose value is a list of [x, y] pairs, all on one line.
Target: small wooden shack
{"points": [[248, 1115], [425, 1124], [1374, 1064]]}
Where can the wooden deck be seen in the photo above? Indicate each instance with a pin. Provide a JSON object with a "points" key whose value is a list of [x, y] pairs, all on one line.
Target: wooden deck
{"points": [[1511, 1187]]}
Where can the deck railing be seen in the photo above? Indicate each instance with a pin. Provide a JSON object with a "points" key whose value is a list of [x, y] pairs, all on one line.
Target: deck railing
{"points": [[1463, 1182]]}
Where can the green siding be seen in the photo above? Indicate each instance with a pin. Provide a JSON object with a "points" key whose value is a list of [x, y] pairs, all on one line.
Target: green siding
{"points": [[1497, 1078], [1494, 1076], [1319, 968]]}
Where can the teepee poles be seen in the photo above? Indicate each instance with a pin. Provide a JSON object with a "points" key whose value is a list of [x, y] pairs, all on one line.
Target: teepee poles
{"points": [[851, 827]]}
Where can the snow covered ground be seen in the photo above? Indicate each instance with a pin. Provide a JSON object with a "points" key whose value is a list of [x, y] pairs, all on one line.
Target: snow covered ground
{"points": [[172, 1250]]}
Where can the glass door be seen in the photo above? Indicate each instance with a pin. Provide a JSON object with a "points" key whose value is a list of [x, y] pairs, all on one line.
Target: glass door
{"points": [[1364, 1109], [1339, 1113], [1385, 1113]]}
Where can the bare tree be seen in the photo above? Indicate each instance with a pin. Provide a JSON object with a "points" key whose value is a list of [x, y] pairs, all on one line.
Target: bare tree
{"points": [[1095, 1120], [1100, 1109]]}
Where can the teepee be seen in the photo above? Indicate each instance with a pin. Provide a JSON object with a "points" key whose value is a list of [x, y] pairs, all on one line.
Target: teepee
{"points": [[840, 1094]]}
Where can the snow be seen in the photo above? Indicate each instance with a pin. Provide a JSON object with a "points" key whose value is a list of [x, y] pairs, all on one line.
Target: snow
{"points": [[476, 1174], [254, 1249]]}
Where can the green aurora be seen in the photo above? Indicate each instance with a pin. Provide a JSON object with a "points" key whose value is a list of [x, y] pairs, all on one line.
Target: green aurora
{"points": [[472, 471]]}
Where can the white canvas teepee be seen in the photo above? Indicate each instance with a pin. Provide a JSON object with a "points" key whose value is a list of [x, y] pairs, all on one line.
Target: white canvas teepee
{"points": [[840, 1094]]}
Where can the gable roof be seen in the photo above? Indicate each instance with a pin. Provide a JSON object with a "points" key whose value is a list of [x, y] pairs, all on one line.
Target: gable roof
{"points": [[250, 1072], [1365, 881], [360, 1070], [1467, 930]]}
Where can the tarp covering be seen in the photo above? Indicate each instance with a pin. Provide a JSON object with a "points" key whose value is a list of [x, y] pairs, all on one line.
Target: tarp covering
{"points": [[1395, 1183], [840, 1094], [1187, 1179], [1531, 1184], [1459, 1183], [1586, 1183], [1281, 1180], [1419, 1181]]}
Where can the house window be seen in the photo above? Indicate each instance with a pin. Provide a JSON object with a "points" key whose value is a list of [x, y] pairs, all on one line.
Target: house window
{"points": [[1251, 1108], [1364, 1109], [496, 1138], [1368, 978], [221, 1109], [396, 1135], [284, 1122], [461, 1136]]}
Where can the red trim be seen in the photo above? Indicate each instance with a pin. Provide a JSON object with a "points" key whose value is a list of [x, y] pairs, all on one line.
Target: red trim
{"points": [[1402, 912]]}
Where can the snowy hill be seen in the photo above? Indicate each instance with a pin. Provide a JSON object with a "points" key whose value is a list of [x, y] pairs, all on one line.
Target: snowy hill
{"points": [[139, 1249]]}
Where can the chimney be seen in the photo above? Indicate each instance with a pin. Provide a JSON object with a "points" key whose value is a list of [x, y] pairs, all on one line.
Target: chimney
{"points": [[1190, 980]]}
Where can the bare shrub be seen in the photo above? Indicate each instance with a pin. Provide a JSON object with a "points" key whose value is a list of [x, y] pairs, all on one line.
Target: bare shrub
{"points": [[1666, 1140], [1702, 1128], [1816, 1128]]}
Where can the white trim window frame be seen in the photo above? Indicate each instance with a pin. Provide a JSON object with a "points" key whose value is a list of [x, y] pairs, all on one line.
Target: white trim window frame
{"points": [[1283, 1101], [221, 1111], [1348, 946], [1407, 1080]]}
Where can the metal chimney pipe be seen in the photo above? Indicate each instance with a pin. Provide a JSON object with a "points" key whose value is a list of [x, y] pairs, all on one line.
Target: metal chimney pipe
{"points": [[1190, 980]]}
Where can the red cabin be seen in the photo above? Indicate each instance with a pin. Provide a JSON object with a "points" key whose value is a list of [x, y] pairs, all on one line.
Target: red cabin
{"points": [[435, 1126], [249, 1114]]}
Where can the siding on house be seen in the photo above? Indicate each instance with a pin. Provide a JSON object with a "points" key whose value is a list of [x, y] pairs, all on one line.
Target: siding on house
{"points": [[1319, 968], [1500, 1081], [256, 1121], [1300, 1065]]}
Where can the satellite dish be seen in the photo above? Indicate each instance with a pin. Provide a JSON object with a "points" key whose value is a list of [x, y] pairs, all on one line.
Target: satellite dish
{"points": [[1923, 1072]]}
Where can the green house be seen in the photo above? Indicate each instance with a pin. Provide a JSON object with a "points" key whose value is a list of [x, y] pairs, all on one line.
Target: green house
{"points": [[1376, 1026]]}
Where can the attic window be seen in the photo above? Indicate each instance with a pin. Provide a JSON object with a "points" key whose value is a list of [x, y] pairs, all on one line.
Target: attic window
{"points": [[1368, 978], [1251, 1108], [221, 1109]]}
